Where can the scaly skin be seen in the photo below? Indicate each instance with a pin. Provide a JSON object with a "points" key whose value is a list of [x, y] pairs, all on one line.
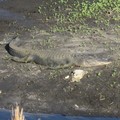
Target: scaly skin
{"points": [[50, 58]]}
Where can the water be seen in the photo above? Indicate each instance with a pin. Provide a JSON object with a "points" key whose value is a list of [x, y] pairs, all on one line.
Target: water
{"points": [[6, 115]]}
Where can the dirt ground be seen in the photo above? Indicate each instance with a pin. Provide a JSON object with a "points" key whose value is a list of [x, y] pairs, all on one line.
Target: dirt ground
{"points": [[41, 90]]}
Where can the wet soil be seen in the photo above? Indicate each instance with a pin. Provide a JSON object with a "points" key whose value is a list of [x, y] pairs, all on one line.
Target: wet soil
{"points": [[42, 90]]}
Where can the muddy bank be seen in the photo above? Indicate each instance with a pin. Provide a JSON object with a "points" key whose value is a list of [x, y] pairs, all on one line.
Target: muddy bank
{"points": [[42, 90]]}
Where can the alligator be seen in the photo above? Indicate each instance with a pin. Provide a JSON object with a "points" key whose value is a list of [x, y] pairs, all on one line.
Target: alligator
{"points": [[51, 58]]}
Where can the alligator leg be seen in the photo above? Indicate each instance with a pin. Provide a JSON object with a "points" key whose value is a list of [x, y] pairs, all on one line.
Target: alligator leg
{"points": [[25, 59]]}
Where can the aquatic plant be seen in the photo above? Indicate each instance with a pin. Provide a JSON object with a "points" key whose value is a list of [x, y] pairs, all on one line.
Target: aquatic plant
{"points": [[17, 113]]}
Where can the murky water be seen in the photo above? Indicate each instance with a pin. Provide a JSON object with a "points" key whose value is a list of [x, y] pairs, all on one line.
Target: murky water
{"points": [[5, 115]]}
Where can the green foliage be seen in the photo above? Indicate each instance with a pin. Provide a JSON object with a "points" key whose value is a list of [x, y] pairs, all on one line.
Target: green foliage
{"points": [[69, 13]]}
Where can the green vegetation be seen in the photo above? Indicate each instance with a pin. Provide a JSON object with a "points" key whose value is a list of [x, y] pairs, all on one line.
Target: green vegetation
{"points": [[72, 15]]}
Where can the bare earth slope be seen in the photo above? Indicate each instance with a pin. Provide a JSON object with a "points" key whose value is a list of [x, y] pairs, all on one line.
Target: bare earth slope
{"points": [[43, 90]]}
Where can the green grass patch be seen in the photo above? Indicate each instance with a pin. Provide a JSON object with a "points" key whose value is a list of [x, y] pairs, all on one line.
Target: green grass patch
{"points": [[72, 15]]}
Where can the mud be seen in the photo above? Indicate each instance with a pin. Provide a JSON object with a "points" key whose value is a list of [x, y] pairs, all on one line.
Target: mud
{"points": [[41, 90]]}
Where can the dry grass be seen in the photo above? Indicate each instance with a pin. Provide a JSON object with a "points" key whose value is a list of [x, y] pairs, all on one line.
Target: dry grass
{"points": [[17, 113]]}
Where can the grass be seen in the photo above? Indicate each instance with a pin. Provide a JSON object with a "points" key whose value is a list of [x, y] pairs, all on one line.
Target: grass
{"points": [[72, 15], [17, 113]]}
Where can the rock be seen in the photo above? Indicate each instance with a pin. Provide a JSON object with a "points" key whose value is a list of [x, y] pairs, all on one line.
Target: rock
{"points": [[77, 75], [67, 77]]}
